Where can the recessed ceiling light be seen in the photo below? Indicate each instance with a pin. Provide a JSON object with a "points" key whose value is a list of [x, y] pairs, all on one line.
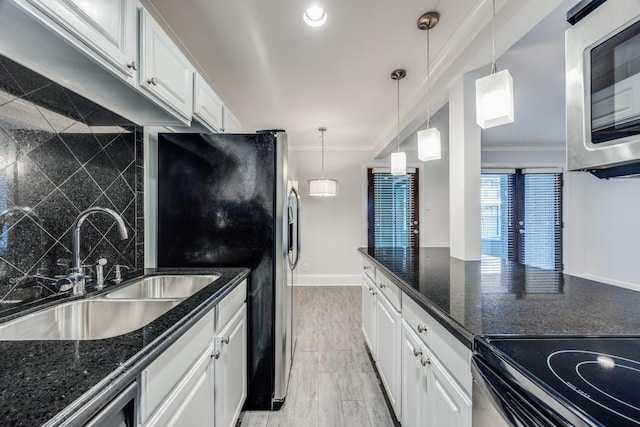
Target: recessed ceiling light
{"points": [[315, 16]]}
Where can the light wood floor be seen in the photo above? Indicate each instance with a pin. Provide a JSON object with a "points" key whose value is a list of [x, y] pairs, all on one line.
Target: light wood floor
{"points": [[332, 380]]}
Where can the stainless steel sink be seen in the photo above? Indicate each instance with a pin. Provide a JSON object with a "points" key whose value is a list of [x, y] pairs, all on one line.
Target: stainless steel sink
{"points": [[163, 287], [91, 319]]}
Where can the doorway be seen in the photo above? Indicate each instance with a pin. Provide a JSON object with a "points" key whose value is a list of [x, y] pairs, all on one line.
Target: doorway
{"points": [[392, 209], [521, 216]]}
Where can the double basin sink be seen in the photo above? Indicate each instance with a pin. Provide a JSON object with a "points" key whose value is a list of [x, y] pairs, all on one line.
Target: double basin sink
{"points": [[111, 314]]}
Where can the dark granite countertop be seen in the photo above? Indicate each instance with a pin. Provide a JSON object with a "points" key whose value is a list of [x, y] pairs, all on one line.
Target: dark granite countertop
{"points": [[499, 297], [66, 382]]}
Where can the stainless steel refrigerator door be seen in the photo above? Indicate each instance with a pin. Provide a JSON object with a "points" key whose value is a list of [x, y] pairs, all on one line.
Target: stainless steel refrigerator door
{"points": [[294, 247], [282, 342]]}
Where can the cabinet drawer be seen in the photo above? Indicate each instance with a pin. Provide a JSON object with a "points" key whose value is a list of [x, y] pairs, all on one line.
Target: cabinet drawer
{"points": [[230, 305], [389, 289], [455, 355], [167, 370], [369, 269]]}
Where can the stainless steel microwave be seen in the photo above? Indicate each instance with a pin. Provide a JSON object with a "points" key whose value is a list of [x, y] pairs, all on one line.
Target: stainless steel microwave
{"points": [[603, 90]]}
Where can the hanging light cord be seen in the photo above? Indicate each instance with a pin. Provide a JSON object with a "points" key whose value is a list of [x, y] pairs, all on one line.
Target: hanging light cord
{"points": [[398, 80], [322, 136], [428, 84], [494, 68]]}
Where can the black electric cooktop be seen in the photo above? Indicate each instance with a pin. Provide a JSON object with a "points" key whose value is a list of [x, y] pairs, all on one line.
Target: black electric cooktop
{"points": [[586, 380]]}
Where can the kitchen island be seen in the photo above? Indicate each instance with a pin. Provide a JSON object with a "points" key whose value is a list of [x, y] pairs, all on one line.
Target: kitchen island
{"points": [[498, 297], [555, 340], [67, 382]]}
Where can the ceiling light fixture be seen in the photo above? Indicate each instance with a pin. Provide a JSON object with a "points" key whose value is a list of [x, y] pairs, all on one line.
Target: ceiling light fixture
{"points": [[494, 93], [399, 158], [315, 16], [429, 138], [322, 187]]}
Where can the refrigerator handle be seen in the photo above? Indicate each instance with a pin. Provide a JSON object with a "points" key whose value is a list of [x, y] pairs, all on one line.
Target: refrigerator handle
{"points": [[293, 263]]}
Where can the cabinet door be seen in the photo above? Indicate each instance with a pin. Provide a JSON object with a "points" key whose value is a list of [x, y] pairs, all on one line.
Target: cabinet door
{"points": [[231, 370], [190, 403], [448, 404], [414, 379], [207, 105], [107, 27], [368, 310], [388, 330], [165, 72], [231, 122]]}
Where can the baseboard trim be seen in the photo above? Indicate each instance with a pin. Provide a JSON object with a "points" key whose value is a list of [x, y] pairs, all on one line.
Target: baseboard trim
{"points": [[608, 281], [327, 279]]}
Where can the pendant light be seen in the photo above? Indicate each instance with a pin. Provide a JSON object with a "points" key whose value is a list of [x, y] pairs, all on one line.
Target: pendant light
{"points": [[429, 138], [494, 93], [399, 158], [321, 187]]}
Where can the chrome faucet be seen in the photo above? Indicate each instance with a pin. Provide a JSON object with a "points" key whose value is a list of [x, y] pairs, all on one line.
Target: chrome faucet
{"points": [[76, 280]]}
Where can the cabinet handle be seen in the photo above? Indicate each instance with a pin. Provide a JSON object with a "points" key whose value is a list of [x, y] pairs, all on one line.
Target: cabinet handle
{"points": [[366, 267], [225, 340], [425, 361], [133, 65], [374, 293], [153, 81], [382, 285], [417, 352], [422, 328], [215, 355]]}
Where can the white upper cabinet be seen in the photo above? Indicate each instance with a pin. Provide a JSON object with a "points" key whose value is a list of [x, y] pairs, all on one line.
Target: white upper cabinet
{"points": [[231, 124], [106, 27], [207, 105], [165, 72]]}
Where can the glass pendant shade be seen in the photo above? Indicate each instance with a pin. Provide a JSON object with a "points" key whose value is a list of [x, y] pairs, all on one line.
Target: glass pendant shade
{"points": [[398, 163], [429, 144], [323, 187], [494, 99]]}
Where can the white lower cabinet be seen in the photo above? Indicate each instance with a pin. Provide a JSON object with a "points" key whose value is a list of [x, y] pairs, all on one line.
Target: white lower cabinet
{"points": [[425, 369], [368, 314], [430, 396], [190, 403], [414, 379], [387, 335], [201, 379], [231, 370], [447, 403]]}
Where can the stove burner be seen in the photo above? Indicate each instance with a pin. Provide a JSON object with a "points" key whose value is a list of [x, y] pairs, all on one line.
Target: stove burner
{"points": [[608, 381]]}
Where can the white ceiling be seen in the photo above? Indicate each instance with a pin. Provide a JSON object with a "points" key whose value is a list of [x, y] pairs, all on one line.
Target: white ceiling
{"points": [[276, 72]]}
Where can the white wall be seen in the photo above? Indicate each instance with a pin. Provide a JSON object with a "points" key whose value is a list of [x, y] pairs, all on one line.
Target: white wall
{"points": [[333, 228], [602, 230]]}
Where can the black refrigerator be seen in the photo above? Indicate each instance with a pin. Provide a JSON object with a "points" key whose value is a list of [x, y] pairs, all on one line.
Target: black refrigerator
{"points": [[225, 200]]}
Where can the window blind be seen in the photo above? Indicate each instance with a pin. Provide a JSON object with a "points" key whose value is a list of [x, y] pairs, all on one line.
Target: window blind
{"points": [[393, 209], [521, 217], [496, 204], [542, 220]]}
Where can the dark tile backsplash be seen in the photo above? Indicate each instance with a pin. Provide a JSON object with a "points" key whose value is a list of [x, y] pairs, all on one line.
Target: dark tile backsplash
{"points": [[60, 154]]}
